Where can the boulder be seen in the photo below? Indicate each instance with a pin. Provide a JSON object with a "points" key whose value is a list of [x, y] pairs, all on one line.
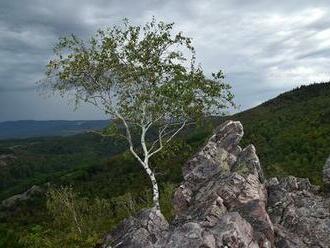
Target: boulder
{"points": [[15, 199]]}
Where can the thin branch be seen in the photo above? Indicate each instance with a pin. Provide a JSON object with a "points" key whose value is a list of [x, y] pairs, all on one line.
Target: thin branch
{"points": [[173, 135], [159, 140], [154, 121], [162, 135], [144, 147], [129, 138]]}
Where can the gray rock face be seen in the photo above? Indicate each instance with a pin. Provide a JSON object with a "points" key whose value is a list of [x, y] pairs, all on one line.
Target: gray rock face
{"points": [[223, 202], [301, 217], [13, 200], [6, 159], [221, 180], [326, 174], [143, 230], [230, 231]]}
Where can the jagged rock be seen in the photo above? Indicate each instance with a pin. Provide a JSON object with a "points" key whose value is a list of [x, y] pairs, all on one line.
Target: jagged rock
{"points": [[5, 159], [300, 215], [143, 230], [223, 202], [218, 155], [224, 178], [326, 174], [231, 230], [13, 200]]}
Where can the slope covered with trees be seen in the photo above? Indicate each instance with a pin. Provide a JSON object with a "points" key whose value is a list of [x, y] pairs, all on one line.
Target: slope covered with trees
{"points": [[291, 133]]}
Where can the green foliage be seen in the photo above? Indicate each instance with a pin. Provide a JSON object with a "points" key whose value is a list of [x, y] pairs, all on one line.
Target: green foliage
{"points": [[118, 180], [127, 70], [166, 206], [8, 238], [77, 222], [82, 222], [61, 159], [141, 77], [291, 132]]}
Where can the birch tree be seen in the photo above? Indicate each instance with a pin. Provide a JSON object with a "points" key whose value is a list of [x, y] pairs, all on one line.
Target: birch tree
{"points": [[144, 78]]}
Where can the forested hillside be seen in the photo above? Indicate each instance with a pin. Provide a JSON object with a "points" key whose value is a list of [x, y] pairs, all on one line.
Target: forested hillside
{"points": [[291, 133], [98, 169], [58, 159]]}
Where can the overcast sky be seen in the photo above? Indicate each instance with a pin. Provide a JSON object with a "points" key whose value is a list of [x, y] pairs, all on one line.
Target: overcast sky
{"points": [[264, 47]]}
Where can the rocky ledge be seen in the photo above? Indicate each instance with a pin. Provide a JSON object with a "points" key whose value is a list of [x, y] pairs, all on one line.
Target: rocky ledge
{"points": [[6, 159], [225, 202], [12, 201]]}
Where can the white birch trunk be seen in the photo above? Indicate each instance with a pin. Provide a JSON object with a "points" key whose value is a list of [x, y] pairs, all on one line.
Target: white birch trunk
{"points": [[149, 153], [155, 190]]}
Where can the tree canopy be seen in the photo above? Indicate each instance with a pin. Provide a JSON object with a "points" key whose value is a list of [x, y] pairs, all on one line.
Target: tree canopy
{"points": [[131, 69], [142, 76]]}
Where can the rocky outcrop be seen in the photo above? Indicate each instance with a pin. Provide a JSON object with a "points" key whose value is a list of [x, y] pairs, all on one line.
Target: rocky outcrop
{"points": [[143, 230], [6, 159], [223, 202], [15, 199], [300, 215], [221, 181]]}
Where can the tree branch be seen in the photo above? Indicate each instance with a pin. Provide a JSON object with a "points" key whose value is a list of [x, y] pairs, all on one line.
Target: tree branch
{"points": [[129, 137], [161, 135]]}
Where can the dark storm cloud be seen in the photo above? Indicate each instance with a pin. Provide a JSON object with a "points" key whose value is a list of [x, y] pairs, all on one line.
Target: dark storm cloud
{"points": [[264, 47]]}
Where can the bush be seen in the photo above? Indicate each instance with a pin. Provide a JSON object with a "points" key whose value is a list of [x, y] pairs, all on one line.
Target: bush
{"points": [[77, 221]]}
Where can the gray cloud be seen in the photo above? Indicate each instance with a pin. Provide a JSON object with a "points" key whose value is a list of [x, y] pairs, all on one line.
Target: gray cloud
{"points": [[264, 47]]}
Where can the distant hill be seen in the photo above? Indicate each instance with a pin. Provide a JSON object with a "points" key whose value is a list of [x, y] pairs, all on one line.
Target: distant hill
{"points": [[28, 129], [291, 131]]}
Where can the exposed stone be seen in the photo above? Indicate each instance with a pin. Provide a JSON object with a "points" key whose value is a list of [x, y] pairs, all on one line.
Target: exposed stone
{"points": [[6, 159], [224, 178], [300, 215], [217, 156], [13, 200], [231, 230], [223, 202], [143, 230]]}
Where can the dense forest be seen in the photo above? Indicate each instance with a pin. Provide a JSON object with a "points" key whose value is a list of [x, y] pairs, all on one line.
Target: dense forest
{"points": [[292, 131], [101, 179]]}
